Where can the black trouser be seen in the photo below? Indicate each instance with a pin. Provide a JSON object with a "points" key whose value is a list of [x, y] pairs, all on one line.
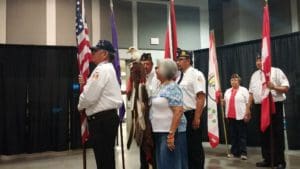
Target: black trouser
{"points": [[103, 131], [196, 156], [238, 137], [278, 136]]}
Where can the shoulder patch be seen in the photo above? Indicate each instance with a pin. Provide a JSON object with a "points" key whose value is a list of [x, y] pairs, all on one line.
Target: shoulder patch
{"points": [[200, 79], [95, 76]]}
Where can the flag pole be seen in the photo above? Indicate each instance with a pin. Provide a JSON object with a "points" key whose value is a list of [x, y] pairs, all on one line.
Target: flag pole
{"points": [[271, 126], [224, 125], [84, 155], [222, 111], [84, 143], [83, 73], [271, 134], [122, 144], [270, 98], [118, 73]]}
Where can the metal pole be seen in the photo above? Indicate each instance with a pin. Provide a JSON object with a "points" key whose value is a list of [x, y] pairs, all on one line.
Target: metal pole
{"points": [[84, 155], [271, 135], [225, 131], [122, 144]]}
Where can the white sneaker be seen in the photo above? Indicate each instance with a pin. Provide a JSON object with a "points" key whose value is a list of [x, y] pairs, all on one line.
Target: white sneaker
{"points": [[230, 156], [243, 157]]}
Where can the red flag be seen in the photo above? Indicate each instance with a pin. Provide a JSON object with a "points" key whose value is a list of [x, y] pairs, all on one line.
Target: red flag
{"points": [[171, 34], [83, 56], [214, 91], [267, 104]]}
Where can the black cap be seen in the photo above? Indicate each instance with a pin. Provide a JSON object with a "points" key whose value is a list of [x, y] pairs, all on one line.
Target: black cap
{"points": [[104, 45], [184, 53], [146, 56]]}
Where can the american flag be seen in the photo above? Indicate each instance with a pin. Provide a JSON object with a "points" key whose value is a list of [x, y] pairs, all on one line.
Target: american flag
{"points": [[83, 56]]}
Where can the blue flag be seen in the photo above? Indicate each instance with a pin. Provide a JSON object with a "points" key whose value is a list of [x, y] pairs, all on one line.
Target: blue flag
{"points": [[116, 62]]}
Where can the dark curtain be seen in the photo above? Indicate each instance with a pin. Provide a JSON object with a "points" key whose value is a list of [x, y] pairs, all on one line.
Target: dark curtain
{"points": [[240, 58], [38, 109], [13, 99], [75, 127], [49, 89]]}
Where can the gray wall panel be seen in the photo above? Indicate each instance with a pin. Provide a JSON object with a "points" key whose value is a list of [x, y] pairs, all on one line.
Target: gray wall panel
{"points": [[216, 16], [188, 27], [280, 17], [298, 13], [26, 22], [123, 17], [152, 23], [230, 17], [105, 28], [65, 21], [65, 27]]}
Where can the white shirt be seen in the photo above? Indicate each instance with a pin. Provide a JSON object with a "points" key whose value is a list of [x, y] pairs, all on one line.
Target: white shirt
{"points": [[278, 78], [161, 115], [240, 101], [152, 83], [102, 90], [193, 82]]}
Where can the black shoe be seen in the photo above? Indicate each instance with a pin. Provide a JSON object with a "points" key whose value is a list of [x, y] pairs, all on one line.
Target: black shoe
{"points": [[280, 166], [263, 164]]}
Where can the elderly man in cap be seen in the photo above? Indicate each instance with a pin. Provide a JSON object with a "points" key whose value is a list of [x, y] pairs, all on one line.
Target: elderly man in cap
{"points": [[152, 84], [192, 83], [100, 99], [279, 85], [151, 80]]}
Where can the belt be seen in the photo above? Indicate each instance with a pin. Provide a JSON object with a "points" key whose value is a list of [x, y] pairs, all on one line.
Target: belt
{"points": [[101, 114], [259, 104]]}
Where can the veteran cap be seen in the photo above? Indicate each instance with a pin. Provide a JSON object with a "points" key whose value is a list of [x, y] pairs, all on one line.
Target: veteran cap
{"points": [[184, 53], [146, 56], [103, 45]]}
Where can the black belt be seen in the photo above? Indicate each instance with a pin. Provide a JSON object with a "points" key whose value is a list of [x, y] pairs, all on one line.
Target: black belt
{"points": [[101, 114], [259, 104]]}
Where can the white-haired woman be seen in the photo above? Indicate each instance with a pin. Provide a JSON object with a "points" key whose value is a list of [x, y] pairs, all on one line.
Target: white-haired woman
{"points": [[167, 121]]}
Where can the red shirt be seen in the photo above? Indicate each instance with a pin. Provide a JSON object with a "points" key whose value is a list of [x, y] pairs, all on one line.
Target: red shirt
{"points": [[231, 108]]}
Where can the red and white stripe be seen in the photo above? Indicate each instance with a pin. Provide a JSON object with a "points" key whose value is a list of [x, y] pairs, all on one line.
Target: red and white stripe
{"points": [[171, 34], [267, 104], [83, 56]]}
